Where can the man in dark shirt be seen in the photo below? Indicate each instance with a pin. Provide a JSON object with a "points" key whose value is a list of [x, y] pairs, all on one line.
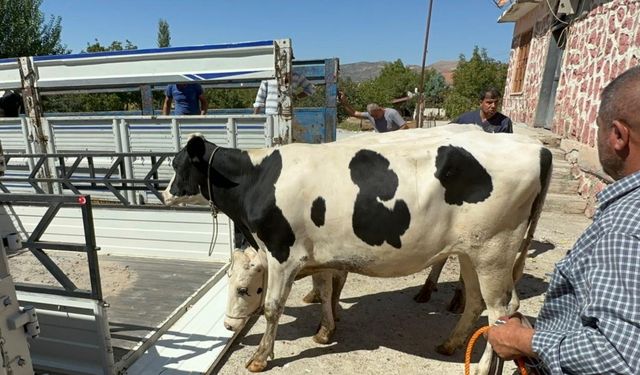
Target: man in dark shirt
{"points": [[488, 116]]}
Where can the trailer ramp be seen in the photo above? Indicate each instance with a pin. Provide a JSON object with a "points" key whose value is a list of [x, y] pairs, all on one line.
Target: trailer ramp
{"points": [[195, 343]]}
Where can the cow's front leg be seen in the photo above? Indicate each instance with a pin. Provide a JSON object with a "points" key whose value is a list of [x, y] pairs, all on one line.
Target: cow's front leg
{"points": [[431, 284], [280, 280]]}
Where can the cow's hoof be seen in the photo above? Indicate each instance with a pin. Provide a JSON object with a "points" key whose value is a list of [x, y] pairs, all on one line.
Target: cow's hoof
{"points": [[256, 365], [445, 349], [312, 297], [456, 305], [323, 336], [423, 296]]}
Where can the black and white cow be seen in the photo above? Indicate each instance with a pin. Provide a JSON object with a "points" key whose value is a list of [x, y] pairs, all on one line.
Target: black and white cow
{"points": [[386, 208]]}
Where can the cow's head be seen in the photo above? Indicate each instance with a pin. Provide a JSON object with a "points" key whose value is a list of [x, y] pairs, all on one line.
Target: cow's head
{"points": [[190, 172], [247, 286]]}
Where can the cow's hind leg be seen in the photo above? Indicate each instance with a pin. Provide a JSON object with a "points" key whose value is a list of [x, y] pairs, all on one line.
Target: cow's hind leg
{"points": [[327, 323], [431, 284], [280, 281], [314, 294], [472, 309]]}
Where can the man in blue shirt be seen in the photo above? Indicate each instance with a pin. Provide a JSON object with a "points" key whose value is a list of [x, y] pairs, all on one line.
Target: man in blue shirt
{"points": [[189, 98], [487, 116], [590, 320]]}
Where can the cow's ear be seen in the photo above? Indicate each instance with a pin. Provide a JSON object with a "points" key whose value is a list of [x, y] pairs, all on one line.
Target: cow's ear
{"points": [[195, 147]]}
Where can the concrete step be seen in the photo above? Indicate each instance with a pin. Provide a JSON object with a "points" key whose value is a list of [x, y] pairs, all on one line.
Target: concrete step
{"points": [[565, 203], [561, 173], [564, 186]]}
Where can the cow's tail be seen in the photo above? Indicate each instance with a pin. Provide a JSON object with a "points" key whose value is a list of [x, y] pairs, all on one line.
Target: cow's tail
{"points": [[546, 168]]}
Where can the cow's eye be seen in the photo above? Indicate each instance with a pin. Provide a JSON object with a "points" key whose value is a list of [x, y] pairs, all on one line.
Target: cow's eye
{"points": [[243, 292], [259, 290]]}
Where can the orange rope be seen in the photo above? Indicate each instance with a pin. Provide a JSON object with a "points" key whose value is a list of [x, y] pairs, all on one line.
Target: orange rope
{"points": [[470, 345]]}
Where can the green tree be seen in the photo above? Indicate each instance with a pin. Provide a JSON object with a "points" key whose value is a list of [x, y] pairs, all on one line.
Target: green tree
{"points": [[164, 36], [470, 77], [435, 88], [25, 32]]}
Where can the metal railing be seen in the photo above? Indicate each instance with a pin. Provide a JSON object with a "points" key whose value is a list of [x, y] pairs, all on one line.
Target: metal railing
{"points": [[92, 172], [37, 247]]}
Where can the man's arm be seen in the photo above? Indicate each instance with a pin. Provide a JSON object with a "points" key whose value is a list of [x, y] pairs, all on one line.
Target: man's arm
{"points": [[261, 97], [342, 98], [607, 340], [166, 106], [300, 81], [398, 120], [204, 104]]}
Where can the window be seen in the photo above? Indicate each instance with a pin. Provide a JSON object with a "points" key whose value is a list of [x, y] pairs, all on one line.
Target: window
{"points": [[522, 58]]}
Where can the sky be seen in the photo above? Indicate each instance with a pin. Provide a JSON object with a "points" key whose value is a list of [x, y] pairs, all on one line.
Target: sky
{"points": [[352, 30]]}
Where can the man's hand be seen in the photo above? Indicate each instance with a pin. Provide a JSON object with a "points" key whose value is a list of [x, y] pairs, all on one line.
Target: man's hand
{"points": [[342, 98], [511, 340]]}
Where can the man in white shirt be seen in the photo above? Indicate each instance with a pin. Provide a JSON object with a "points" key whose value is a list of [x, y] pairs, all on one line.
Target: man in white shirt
{"points": [[267, 96]]}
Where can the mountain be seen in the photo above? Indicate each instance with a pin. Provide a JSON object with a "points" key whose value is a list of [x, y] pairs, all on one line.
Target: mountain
{"points": [[362, 71]]}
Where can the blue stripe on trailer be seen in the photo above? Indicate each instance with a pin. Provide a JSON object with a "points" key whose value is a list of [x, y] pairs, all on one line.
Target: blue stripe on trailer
{"points": [[151, 51], [241, 127]]}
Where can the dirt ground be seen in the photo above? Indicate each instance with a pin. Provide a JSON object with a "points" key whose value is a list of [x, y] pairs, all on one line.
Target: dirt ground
{"points": [[383, 331]]}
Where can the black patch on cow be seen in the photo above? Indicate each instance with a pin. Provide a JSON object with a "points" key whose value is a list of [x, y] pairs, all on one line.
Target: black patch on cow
{"points": [[243, 191], [372, 221], [318, 210], [462, 176]]}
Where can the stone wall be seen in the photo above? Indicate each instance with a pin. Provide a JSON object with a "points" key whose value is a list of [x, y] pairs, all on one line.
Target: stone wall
{"points": [[602, 43], [600, 46], [520, 106]]}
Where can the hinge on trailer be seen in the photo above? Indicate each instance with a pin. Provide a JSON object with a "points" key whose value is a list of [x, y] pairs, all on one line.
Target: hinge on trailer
{"points": [[26, 319]]}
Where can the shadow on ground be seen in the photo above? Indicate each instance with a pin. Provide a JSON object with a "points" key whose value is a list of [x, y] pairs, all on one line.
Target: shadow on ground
{"points": [[387, 319]]}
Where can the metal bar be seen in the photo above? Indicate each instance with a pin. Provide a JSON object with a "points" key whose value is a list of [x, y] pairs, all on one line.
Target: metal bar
{"points": [[54, 270], [175, 134], [232, 134], [42, 198], [92, 154], [115, 192], [90, 248], [27, 143], [128, 161], [64, 246], [424, 60], [46, 219], [79, 293], [92, 169]]}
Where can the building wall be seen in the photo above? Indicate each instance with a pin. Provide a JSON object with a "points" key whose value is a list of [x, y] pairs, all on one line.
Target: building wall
{"points": [[600, 46], [520, 106]]}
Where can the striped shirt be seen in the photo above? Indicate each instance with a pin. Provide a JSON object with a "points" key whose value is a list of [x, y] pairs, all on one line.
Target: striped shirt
{"points": [[590, 320], [267, 96]]}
